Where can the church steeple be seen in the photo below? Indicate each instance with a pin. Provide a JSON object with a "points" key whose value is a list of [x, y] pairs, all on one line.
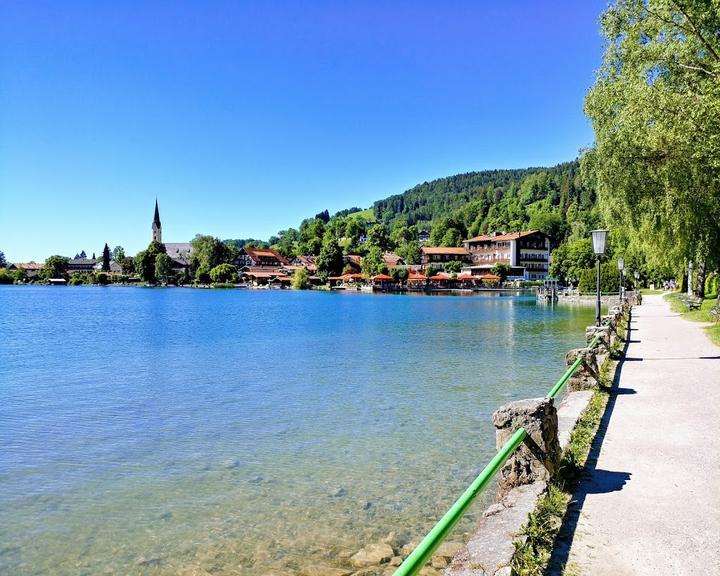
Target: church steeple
{"points": [[156, 226]]}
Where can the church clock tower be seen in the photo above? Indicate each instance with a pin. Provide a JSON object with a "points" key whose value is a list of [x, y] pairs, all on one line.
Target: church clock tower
{"points": [[156, 226]]}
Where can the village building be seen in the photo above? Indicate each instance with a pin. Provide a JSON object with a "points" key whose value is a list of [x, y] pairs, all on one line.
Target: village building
{"points": [[423, 236], [263, 266], [115, 268], [438, 256], [526, 252], [260, 257], [81, 265], [30, 269], [392, 260], [180, 253], [156, 225], [307, 262], [352, 262]]}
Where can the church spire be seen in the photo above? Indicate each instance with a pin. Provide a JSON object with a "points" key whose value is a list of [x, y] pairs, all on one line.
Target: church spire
{"points": [[156, 226]]}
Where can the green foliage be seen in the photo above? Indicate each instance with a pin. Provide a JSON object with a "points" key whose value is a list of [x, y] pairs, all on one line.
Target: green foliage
{"points": [[224, 273], [6, 276], [163, 267], [330, 260], [554, 200], [55, 267], [711, 285], [399, 275], [410, 252], [373, 262], [501, 270], [118, 254], [102, 278], [301, 280], [609, 278], [209, 252], [655, 109], [377, 236], [127, 264], [571, 259], [312, 232], [3, 261], [144, 261], [453, 266], [106, 258]]}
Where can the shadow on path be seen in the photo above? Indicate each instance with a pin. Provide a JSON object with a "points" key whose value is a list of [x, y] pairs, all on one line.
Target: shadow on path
{"points": [[593, 480]]}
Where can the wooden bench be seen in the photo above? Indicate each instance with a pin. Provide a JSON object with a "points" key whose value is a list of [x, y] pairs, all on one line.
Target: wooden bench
{"points": [[691, 302]]}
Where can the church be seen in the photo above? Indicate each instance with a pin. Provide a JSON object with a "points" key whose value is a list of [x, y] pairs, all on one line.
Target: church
{"points": [[180, 252]]}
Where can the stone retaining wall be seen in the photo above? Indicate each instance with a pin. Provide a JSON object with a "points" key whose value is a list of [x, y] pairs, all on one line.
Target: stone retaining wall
{"points": [[523, 479]]}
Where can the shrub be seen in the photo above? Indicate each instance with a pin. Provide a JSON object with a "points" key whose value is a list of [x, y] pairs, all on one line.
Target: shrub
{"points": [[609, 278], [301, 280], [224, 273], [6, 277], [711, 285]]}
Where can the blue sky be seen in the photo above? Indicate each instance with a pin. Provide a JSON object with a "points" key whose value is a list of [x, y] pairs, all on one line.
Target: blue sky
{"points": [[245, 117]]}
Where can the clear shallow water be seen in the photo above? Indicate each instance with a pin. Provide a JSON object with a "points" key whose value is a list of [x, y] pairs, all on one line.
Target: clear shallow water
{"points": [[249, 432]]}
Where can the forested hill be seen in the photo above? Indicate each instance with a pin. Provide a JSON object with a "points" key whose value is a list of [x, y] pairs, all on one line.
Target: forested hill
{"points": [[550, 199], [422, 203], [553, 200]]}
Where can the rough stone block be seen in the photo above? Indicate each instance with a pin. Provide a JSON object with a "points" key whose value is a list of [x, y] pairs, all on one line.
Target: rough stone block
{"points": [[538, 457], [586, 376], [603, 345]]}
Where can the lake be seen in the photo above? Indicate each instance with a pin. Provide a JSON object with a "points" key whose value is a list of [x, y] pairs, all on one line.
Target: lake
{"points": [[166, 431]]}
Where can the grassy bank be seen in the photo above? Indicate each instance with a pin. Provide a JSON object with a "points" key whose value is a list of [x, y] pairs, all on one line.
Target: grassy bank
{"points": [[701, 315]]}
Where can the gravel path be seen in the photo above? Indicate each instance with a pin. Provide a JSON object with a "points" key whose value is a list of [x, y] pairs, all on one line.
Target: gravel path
{"points": [[650, 501]]}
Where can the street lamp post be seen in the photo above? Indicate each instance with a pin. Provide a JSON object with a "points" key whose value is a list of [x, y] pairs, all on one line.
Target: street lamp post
{"points": [[621, 268], [637, 279], [598, 239]]}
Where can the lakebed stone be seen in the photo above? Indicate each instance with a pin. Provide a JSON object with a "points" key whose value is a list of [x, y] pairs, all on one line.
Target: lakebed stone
{"points": [[372, 554], [320, 570]]}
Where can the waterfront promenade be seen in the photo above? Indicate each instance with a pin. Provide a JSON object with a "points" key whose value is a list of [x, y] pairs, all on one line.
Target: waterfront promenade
{"points": [[649, 502]]}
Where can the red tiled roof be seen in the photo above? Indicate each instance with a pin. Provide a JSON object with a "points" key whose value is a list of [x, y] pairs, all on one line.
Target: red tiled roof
{"points": [[381, 278], [266, 253], [500, 237], [488, 277], [29, 265], [391, 259], [354, 258], [466, 276]]}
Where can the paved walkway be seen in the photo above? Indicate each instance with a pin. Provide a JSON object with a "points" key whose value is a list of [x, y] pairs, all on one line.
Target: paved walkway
{"points": [[650, 501]]}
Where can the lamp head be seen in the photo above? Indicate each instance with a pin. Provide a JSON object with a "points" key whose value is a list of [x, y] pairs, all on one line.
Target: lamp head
{"points": [[599, 238], [621, 264]]}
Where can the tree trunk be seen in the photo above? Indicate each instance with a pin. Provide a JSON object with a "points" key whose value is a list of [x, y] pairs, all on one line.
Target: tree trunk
{"points": [[684, 283], [700, 279]]}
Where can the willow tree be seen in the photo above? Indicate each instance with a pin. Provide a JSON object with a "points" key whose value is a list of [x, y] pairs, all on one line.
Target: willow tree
{"points": [[655, 108]]}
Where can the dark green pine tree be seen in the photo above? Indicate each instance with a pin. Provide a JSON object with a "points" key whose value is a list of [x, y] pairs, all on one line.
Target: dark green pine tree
{"points": [[106, 259]]}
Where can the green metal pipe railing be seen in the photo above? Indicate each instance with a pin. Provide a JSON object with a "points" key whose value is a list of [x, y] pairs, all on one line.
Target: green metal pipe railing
{"points": [[434, 538], [423, 551], [560, 384]]}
